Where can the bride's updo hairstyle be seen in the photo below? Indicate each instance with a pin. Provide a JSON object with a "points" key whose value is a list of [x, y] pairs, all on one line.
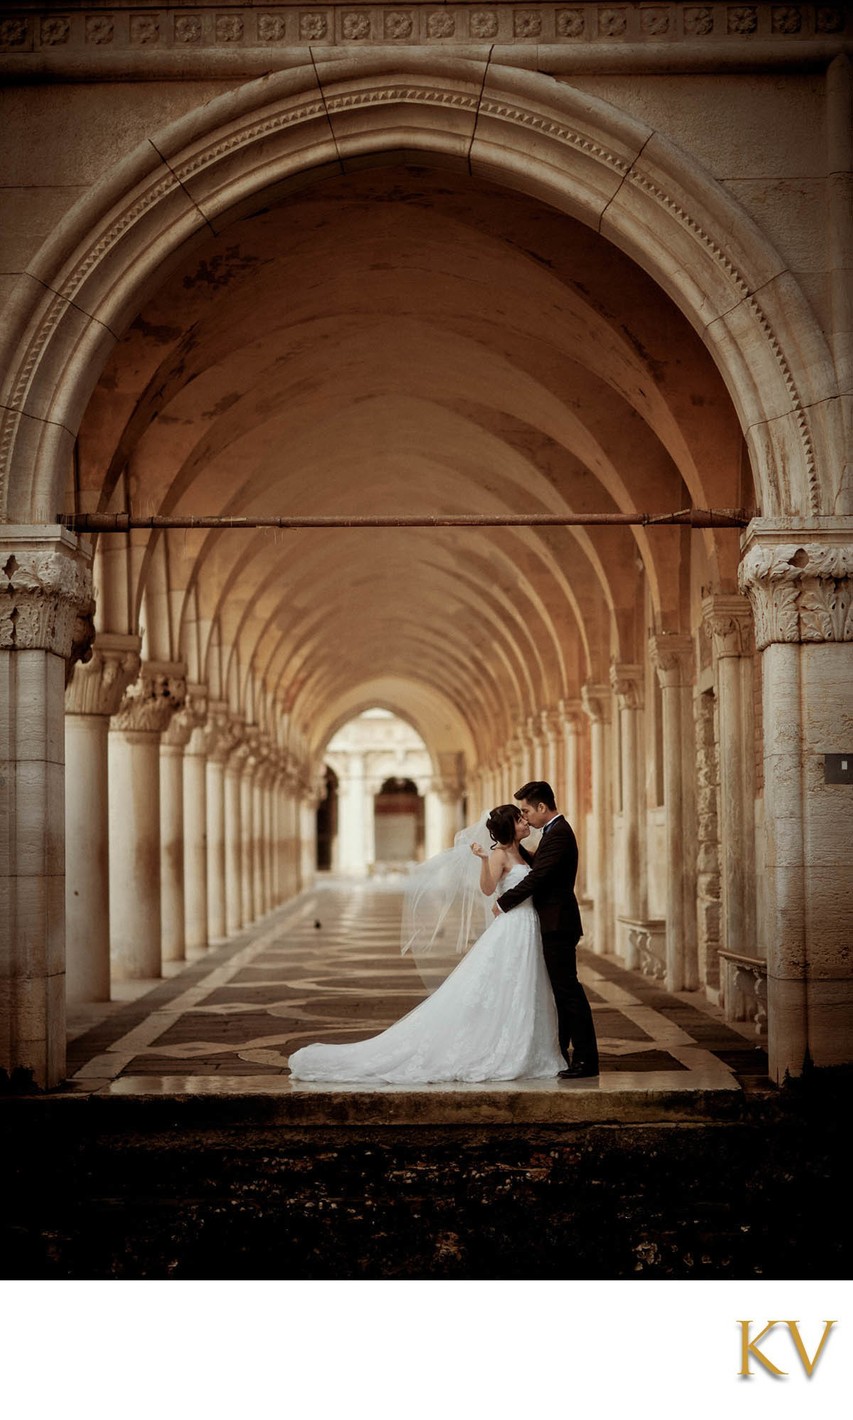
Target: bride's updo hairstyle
{"points": [[500, 825]]}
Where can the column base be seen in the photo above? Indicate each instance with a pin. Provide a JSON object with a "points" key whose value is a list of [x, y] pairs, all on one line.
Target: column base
{"points": [[811, 1023]]}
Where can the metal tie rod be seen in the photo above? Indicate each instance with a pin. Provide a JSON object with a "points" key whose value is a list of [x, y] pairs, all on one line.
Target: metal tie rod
{"points": [[127, 522]]}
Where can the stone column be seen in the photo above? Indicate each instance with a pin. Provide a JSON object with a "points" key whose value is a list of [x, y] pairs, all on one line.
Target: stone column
{"points": [[352, 794], [247, 871], [433, 823], [294, 865], [271, 828], [596, 704], [627, 683], [134, 768], [673, 658], [195, 822], [259, 840], [234, 919], [799, 579], [728, 623], [708, 874], [519, 760], [308, 833], [275, 812], [93, 694], [550, 728], [219, 746], [535, 749], [571, 795], [173, 742], [46, 609]]}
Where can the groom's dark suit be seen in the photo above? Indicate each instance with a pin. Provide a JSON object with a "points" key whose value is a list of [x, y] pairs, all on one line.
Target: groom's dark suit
{"points": [[551, 884]]}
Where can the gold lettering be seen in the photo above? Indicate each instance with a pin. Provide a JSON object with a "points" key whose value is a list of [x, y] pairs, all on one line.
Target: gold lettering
{"points": [[750, 1348], [809, 1366]]}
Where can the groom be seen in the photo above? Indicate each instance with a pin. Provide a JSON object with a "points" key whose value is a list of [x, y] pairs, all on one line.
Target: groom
{"points": [[551, 882]]}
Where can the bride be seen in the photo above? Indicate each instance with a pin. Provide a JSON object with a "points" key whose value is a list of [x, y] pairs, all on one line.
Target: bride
{"points": [[493, 1017]]}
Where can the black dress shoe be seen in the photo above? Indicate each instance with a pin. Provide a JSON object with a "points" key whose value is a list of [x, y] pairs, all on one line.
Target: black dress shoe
{"points": [[579, 1071]]}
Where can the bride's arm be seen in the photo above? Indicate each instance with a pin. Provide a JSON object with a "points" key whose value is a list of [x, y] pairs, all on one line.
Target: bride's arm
{"points": [[491, 868]]}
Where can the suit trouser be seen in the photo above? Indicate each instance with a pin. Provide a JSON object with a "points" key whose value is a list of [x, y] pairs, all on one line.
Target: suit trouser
{"points": [[574, 1016]]}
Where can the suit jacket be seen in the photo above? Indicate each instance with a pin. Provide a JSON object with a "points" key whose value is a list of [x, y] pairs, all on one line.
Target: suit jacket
{"points": [[551, 884]]}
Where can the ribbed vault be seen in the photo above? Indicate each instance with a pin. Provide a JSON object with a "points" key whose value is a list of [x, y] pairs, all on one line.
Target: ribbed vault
{"points": [[407, 341]]}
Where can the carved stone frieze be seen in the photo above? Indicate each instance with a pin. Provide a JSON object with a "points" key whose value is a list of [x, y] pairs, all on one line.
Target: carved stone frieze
{"points": [[186, 26], [46, 600], [150, 702], [799, 591], [728, 623], [98, 685]]}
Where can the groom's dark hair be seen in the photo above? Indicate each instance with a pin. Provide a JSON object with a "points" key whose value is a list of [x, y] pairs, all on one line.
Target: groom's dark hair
{"points": [[537, 792]]}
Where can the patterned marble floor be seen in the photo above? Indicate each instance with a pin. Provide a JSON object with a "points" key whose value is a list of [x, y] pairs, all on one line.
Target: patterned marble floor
{"points": [[328, 967]]}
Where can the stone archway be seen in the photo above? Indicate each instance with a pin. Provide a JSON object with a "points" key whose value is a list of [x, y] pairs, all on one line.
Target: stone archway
{"points": [[578, 155], [574, 152]]}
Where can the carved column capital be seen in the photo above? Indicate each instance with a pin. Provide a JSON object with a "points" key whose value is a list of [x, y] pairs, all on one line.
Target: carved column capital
{"points": [[151, 700], [97, 685], [799, 582], [570, 713], [262, 755], [627, 684], [673, 657], [252, 737], [190, 716], [447, 791], [219, 731], [728, 622], [46, 597], [595, 700], [535, 729], [551, 724], [240, 751]]}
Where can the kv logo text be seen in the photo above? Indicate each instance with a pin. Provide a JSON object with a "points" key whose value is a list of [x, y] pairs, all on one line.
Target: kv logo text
{"points": [[749, 1348]]}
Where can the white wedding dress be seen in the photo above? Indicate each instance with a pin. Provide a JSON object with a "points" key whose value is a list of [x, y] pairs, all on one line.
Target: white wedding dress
{"points": [[493, 1018]]}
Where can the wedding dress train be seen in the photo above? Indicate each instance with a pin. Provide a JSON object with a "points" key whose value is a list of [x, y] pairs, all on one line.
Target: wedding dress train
{"points": [[493, 1018]]}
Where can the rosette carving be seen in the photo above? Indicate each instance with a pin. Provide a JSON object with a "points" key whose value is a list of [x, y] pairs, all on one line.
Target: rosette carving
{"points": [[799, 592]]}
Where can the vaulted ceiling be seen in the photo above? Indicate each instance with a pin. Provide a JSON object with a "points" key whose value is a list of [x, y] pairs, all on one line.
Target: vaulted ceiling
{"points": [[407, 341]]}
